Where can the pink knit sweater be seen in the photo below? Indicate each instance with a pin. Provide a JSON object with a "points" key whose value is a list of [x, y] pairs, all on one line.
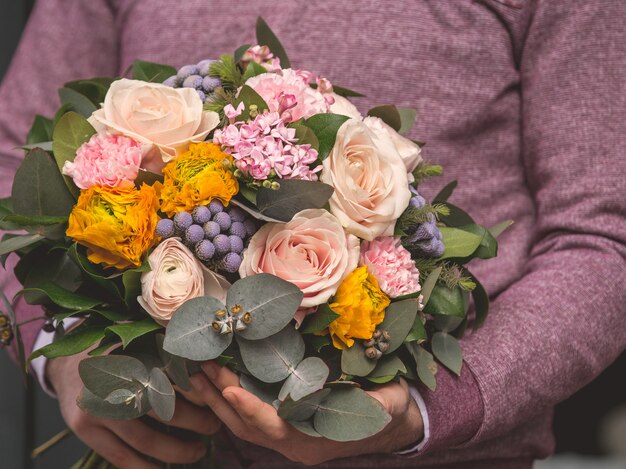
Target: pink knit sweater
{"points": [[522, 101]]}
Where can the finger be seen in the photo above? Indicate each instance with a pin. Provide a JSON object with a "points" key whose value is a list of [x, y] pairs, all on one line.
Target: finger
{"points": [[220, 376], [394, 397], [192, 396], [191, 417], [151, 442], [111, 448], [256, 413]]}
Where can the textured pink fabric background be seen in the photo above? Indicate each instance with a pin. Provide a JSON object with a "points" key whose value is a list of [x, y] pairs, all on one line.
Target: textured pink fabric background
{"points": [[524, 103]]}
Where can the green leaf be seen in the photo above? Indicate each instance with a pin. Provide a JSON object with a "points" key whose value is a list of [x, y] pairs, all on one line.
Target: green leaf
{"points": [[459, 243], [79, 103], [445, 193], [94, 89], [40, 131], [274, 358], [249, 98], [325, 127], [319, 321], [130, 331], [481, 301], [457, 217], [131, 279], [152, 72], [240, 51], [500, 228], [446, 323], [175, 367], [65, 298], [94, 272], [399, 319], [309, 376], [190, 335], [388, 114], [305, 135], [354, 362], [266, 37], [346, 92], [448, 351], [407, 119], [16, 243], [99, 408], [488, 247], [293, 196], [272, 302], [120, 396], [318, 342], [387, 369], [252, 70], [444, 300], [69, 134], [34, 220], [299, 410], [103, 375], [418, 331], [38, 187], [161, 395], [426, 366], [57, 268], [305, 427], [71, 343], [349, 414], [268, 393]]}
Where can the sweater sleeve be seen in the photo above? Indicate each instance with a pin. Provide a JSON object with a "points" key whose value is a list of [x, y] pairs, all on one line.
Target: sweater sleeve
{"points": [[64, 40], [564, 320]]}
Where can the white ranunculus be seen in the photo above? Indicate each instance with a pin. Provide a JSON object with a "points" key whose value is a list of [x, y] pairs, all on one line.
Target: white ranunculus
{"points": [[369, 178], [410, 153], [158, 116], [175, 277]]}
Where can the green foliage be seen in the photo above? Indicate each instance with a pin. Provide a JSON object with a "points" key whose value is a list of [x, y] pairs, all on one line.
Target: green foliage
{"points": [[500, 228], [346, 92], [293, 196], [319, 321], [425, 171], [240, 51], [445, 193], [407, 119], [100, 408], [40, 131], [444, 300], [129, 331], [77, 102], [399, 319], [152, 72], [300, 410], [418, 331], [161, 394], [455, 217], [429, 284], [389, 115], [426, 366], [227, 71], [447, 350], [175, 367], [481, 301], [94, 89], [387, 369], [308, 377], [266, 37], [71, 343], [305, 135], [12, 244], [413, 216], [325, 127], [354, 362], [252, 70], [459, 243]]}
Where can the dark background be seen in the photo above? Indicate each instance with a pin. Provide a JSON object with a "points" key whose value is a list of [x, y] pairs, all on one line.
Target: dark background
{"points": [[28, 417]]}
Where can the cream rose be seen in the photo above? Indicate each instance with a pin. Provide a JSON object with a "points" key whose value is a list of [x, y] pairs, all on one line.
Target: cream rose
{"points": [[344, 107], [312, 251], [410, 153], [369, 178], [175, 277], [165, 118]]}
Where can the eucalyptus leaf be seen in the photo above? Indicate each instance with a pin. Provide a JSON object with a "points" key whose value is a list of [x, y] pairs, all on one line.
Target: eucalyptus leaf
{"points": [[252, 211], [161, 394], [429, 284], [299, 410], [418, 331], [387, 369], [446, 323], [349, 414], [319, 321], [293, 196], [448, 301], [94, 89], [388, 114], [99, 408], [268, 393], [271, 302], [308, 377], [325, 127], [399, 319], [40, 131], [266, 37], [190, 334], [120, 396], [71, 343], [426, 366], [78, 101], [305, 427], [129, 331], [354, 362], [448, 351], [103, 375], [274, 358], [175, 367], [152, 72], [407, 119], [445, 193]]}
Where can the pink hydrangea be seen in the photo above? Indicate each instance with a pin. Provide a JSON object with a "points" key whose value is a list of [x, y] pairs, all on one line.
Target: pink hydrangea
{"points": [[264, 148], [105, 160], [262, 56], [392, 265], [289, 94]]}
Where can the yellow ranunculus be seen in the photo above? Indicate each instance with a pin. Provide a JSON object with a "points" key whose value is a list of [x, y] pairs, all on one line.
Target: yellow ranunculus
{"points": [[196, 177], [360, 304], [116, 225]]}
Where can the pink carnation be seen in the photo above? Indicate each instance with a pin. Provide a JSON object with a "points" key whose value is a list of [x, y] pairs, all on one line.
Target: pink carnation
{"points": [[105, 160], [392, 265], [262, 56], [289, 94]]}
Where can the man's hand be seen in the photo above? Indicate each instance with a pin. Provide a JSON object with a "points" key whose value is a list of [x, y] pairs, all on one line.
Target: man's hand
{"points": [[253, 420], [123, 442]]}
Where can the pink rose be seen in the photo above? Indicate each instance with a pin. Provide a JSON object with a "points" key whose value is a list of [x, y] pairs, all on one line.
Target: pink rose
{"points": [[105, 160], [344, 107], [369, 178], [289, 94], [410, 153], [312, 251], [176, 276]]}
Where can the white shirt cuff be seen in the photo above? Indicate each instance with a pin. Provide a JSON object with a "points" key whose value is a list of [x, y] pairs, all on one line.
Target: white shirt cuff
{"points": [[39, 364], [422, 408]]}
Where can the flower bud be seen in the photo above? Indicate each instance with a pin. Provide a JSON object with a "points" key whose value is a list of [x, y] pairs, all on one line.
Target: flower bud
{"points": [[373, 353]]}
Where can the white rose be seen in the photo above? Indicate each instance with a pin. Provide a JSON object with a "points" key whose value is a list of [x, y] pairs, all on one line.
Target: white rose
{"points": [[410, 153], [175, 277], [369, 178], [344, 107], [155, 115]]}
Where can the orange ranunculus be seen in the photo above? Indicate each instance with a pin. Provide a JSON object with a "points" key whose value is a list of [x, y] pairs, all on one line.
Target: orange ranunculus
{"points": [[116, 225], [196, 177], [360, 304]]}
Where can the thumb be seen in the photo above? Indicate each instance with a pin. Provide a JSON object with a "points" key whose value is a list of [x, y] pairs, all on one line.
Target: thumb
{"points": [[394, 397]]}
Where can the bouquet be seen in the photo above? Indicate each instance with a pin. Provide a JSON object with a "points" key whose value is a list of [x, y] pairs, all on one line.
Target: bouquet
{"points": [[242, 211]]}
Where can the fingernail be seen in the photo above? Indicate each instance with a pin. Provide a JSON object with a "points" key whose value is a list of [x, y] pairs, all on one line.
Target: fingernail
{"points": [[197, 382], [210, 369]]}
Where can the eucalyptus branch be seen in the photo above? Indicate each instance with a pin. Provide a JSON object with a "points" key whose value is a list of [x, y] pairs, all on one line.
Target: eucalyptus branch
{"points": [[39, 450]]}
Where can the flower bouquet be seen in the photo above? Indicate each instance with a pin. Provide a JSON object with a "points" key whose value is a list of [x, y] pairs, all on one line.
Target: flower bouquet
{"points": [[242, 211]]}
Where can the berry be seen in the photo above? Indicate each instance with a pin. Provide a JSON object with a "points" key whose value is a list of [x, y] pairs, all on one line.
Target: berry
{"points": [[211, 230], [215, 206], [194, 235], [205, 250], [186, 71], [210, 83], [165, 228], [238, 229], [236, 244], [237, 214], [417, 201], [202, 95], [203, 67], [172, 81], [193, 81], [231, 262], [222, 219], [250, 227], [182, 221], [222, 244], [201, 215]]}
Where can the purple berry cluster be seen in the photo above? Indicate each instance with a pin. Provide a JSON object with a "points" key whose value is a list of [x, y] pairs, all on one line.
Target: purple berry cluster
{"points": [[196, 77], [423, 239], [216, 234]]}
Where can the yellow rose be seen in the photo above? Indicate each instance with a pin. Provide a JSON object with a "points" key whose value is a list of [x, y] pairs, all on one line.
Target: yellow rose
{"points": [[360, 304], [116, 225]]}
